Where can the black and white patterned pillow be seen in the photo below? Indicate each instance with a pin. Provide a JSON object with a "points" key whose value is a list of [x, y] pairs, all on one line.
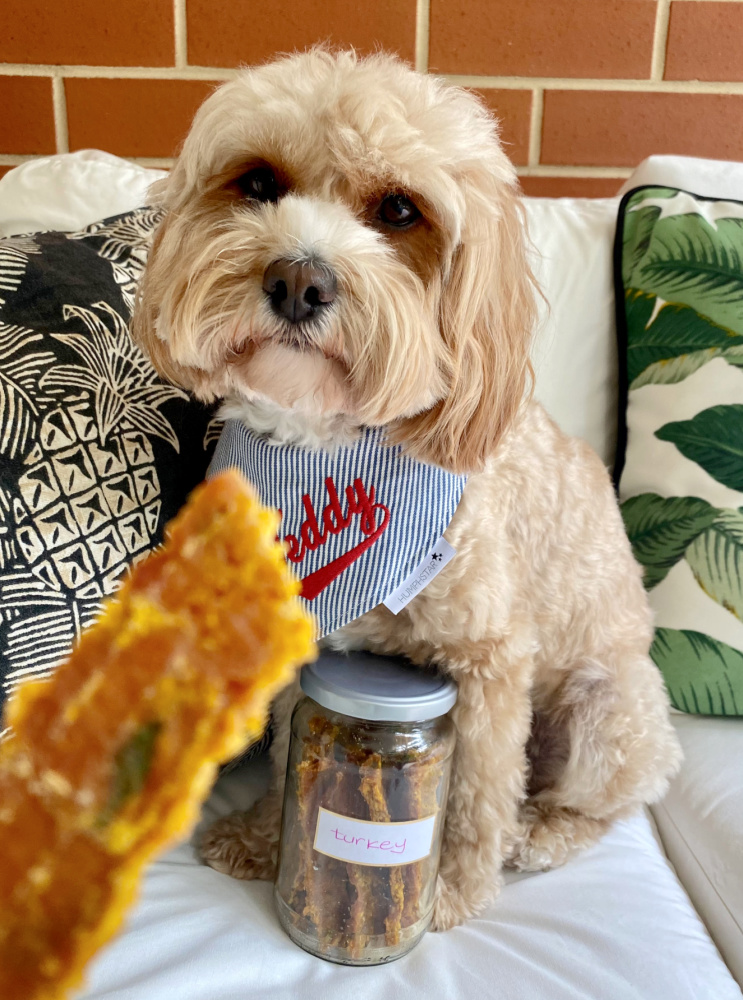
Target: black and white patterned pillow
{"points": [[97, 453]]}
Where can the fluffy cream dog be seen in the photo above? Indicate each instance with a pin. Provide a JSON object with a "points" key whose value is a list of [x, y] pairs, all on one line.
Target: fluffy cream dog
{"points": [[343, 246]]}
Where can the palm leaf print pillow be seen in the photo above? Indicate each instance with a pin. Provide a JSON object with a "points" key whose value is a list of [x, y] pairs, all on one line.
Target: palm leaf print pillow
{"points": [[679, 288], [97, 453]]}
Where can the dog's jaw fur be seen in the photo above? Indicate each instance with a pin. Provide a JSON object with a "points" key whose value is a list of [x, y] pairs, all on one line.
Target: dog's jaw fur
{"points": [[291, 426], [542, 614]]}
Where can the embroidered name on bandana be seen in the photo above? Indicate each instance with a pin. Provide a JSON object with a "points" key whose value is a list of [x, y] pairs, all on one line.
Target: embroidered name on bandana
{"points": [[356, 522]]}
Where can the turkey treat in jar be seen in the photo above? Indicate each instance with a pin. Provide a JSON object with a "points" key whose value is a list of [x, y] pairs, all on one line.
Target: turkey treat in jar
{"points": [[364, 807]]}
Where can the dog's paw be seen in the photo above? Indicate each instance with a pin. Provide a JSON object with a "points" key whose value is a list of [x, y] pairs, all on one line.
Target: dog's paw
{"points": [[551, 837], [533, 856], [234, 847], [450, 908]]}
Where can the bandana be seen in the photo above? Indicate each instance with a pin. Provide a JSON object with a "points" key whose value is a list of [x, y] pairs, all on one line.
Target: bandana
{"points": [[356, 522]]}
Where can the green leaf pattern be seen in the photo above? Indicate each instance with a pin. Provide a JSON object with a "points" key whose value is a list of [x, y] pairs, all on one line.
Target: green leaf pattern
{"points": [[668, 343], [703, 675], [712, 439], [716, 560], [662, 528], [682, 267]]}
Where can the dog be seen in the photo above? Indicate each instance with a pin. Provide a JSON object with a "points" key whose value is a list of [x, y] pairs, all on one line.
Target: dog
{"points": [[382, 205]]}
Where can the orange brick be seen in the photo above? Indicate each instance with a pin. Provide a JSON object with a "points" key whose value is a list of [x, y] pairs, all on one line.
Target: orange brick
{"points": [[513, 109], [589, 38], [705, 42], [235, 32], [618, 129], [571, 187], [87, 32], [132, 117], [27, 115]]}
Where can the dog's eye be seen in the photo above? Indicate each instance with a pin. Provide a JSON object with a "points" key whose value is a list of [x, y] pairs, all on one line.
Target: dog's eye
{"points": [[260, 184], [397, 210]]}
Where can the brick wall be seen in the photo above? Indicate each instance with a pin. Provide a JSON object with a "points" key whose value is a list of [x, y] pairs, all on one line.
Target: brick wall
{"points": [[585, 88]]}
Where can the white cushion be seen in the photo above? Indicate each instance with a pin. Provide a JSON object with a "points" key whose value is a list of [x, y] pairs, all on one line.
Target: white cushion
{"points": [[613, 923], [70, 190], [711, 178], [700, 822], [575, 351], [683, 505], [701, 818]]}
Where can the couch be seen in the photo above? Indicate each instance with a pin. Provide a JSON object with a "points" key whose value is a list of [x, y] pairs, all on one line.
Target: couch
{"points": [[654, 911]]}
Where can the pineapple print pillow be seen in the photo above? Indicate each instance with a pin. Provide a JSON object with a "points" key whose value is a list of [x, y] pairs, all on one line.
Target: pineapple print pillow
{"points": [[96, 452], [679, 282]]}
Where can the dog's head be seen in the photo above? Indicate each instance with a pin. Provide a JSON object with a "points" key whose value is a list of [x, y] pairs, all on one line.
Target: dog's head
{"points": [[343, 235]]}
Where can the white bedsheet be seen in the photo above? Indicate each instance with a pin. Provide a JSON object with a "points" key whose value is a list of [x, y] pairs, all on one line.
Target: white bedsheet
{"points": [[613, 924]]}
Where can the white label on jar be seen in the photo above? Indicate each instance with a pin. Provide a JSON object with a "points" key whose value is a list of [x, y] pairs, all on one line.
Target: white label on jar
{"points": [[365, 843]]}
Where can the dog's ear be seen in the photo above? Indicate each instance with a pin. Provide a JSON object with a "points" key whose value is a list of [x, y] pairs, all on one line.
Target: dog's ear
{"points": [[147, 330], [487, 315]]}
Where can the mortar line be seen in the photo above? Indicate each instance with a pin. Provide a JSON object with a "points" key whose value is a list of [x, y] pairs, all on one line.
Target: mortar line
{"points": [[613, 85], [120, 72], [422, 34], [59, 102], [535, 126], [660, 40], [180, 31], [547, 170], [503, 82]]}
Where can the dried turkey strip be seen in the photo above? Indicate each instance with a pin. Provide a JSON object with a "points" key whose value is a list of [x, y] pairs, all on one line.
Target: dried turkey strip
{"points": [[326, 896], [373, 792], [422, 781], [311, 770]]}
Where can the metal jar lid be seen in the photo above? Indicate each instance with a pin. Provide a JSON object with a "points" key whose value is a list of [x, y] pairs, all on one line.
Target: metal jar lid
{"points": [[380, 688]]}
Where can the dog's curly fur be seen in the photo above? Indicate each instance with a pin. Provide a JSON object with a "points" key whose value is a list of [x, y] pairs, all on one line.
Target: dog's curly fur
{"points": [[541, 618]]}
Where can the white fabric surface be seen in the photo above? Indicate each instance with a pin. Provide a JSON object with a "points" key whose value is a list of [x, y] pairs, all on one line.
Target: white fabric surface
{"points": [[701, 824], [614, 924], [575, 352], [711, 178], [70, 190]]}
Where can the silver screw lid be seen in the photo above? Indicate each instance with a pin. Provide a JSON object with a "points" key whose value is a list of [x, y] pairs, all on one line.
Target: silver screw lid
{"points": [[378, 688]]}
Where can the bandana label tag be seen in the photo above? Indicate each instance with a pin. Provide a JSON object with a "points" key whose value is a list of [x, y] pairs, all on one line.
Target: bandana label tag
{"points": [[439, 556]]}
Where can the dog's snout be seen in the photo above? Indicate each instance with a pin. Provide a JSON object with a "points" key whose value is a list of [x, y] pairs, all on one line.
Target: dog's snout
{"points": [[299, 289]]}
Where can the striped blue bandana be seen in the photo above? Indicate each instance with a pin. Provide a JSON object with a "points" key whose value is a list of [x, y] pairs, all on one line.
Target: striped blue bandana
{"points": [[356, 522]]}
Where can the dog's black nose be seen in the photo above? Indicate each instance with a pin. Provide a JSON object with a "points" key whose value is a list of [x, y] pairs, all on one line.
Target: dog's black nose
{"points": [[299, 289]]}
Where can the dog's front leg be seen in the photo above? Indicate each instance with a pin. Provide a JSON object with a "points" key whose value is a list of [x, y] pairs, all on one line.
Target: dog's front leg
{"points": [[246, 844], [492, 718]]}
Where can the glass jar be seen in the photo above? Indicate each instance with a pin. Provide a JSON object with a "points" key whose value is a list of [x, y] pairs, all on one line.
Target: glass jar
{"points": [[367, 782]]}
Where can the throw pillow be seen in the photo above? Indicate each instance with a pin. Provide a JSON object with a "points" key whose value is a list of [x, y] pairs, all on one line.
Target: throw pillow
{"points": [[97, 453], [679, 294]]}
